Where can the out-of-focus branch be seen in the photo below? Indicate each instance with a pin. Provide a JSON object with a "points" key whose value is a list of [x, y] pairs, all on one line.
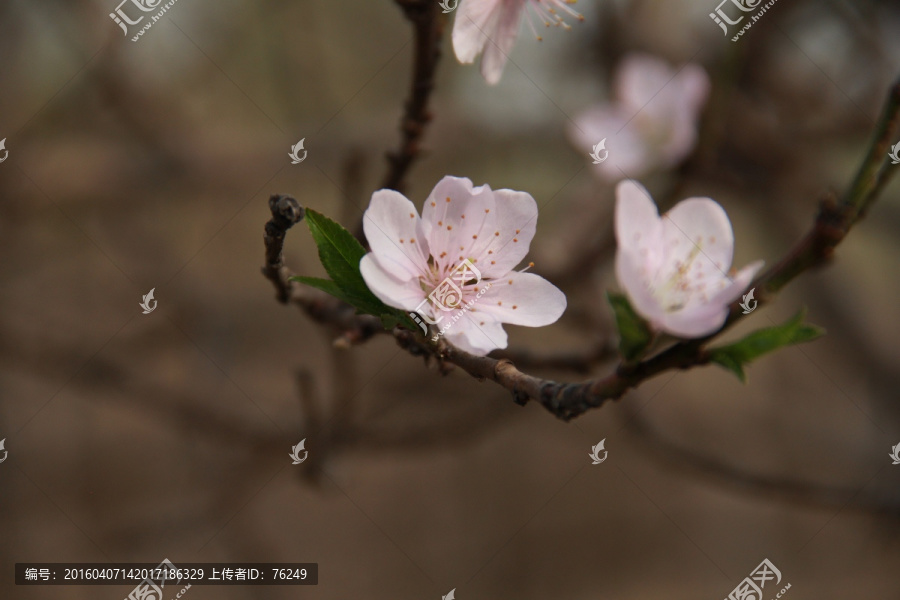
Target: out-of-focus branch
{"points": [[428, 26], [743, 481], [569, 400]]}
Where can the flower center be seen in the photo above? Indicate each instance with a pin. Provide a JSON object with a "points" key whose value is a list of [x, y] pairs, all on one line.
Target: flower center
{"points": [[677, 290]]}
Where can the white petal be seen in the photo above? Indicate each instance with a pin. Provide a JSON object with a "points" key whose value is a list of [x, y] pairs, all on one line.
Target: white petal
{"points": [[478, 337], [638, 225], [639, 79], [693, 87], [738, 284], [697, 232], [406, 294], [502, 39], [521, 299], [395, 235], [634, 274], [475, 21], [458, 220], [629, 155], [516, 223], [695, 322]]}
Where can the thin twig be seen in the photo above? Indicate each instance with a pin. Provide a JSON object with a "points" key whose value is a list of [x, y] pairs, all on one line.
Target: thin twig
{"points": [[428, 26], [569, 400]]}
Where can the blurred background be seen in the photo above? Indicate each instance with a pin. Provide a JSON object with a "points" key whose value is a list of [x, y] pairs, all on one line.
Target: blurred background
{"points": [[148, 164]]}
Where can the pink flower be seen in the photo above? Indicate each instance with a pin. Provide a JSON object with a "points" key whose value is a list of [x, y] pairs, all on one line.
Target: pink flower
{"points": [[413, 258], [491, 27], [674, 268], [651, 124]]}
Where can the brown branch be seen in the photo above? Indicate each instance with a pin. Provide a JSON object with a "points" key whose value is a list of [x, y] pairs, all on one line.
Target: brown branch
{"points": [[286, 212], [428, 26], [569, 400], [579, 361]]}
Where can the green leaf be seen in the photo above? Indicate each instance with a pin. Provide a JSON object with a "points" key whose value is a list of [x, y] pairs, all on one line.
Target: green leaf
{"points": [[735, 356], [340, 254], [635, 334]]}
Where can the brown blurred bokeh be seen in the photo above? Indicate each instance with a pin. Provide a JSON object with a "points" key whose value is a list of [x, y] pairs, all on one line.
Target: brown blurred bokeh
{"points": [[133, 438]]}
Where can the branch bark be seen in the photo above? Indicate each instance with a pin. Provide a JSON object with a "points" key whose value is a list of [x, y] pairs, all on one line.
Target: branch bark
{"points": [[569, 400], [428, 26]]}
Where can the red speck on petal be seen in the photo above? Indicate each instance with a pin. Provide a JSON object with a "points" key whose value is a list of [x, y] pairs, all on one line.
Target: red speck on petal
{"points": [[449, 227], [448, 198]]}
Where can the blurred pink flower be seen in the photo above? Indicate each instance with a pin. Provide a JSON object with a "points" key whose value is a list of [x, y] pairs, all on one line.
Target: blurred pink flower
{"points": [[674, 268], [491, 27], [412, 258], [651, 124]]}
